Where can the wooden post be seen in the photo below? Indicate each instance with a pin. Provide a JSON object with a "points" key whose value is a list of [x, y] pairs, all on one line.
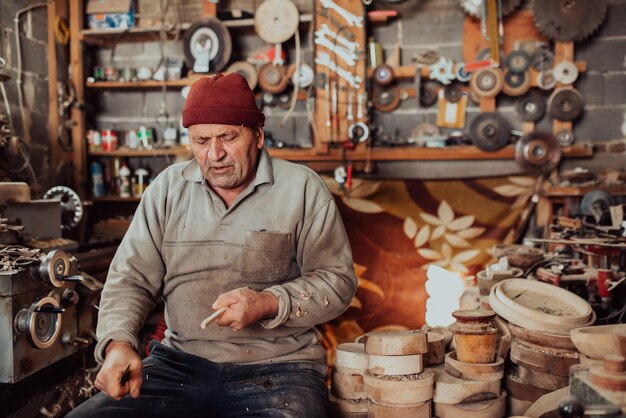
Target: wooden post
{"points": [[76, 66]]}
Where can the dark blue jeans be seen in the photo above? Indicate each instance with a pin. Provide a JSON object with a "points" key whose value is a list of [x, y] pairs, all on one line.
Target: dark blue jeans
{"points": [[183, 385]]}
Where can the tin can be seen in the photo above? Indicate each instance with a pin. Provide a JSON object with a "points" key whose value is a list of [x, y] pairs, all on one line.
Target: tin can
{"points": [[131, 140], [94, 140], [111, 74], [109, 140], [128, 74], [146, 137], [97, 181], [98, 73]]}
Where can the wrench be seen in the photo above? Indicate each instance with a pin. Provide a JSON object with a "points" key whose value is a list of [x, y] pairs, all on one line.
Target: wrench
{"points": [[350, 18], [325, 30], [323, 59], [359, 109], [348, 57]]}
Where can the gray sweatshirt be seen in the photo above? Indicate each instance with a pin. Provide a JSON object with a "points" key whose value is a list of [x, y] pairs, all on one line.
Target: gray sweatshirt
{"points": [[283, 234]]}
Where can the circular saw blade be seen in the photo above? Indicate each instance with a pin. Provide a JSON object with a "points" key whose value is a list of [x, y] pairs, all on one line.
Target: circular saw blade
{"points": [[472, 7], [569, 20], [538, 152], [489, 131]]}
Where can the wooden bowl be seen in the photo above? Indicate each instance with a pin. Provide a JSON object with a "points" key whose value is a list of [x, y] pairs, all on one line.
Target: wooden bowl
{"points": [[520, 256], [597, 342]]}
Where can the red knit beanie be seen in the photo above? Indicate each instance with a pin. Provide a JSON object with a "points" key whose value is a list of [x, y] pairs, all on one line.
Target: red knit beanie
{"points": [[222, 99]]}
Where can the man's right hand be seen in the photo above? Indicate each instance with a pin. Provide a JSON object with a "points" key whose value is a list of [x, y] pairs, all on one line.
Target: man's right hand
{"points": [[118, 356]]}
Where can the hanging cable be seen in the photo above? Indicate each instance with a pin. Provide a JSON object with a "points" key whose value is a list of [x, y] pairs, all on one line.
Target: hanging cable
{"points": [[20, 97]]}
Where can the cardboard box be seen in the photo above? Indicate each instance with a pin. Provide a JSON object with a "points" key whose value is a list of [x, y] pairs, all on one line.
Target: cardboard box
{"points": [[110, 14]]}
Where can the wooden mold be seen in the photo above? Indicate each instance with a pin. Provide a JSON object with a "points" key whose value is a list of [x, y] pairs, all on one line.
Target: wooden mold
{"points": [[422, 410], [478, 372], [348, 386], [612, 376], [491, 408], [395, 365], [396, 343], [599, 341], [542, 380], [349, 407], [547, 360], [452, 390], [411, 390], [542, 338], [352, 356], [436, 349]]}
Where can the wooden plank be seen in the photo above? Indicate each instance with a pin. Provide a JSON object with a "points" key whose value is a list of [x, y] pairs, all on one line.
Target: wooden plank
{"points": [[54, 9], [411, 154], [142, 153], [520, 23], [76, 66]]}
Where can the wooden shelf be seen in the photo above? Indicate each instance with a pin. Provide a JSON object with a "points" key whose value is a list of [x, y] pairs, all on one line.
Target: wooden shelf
{"points": [[414, 154], [115, 199], [150, 84], [142, 153], [96, 35], [555, 191]]}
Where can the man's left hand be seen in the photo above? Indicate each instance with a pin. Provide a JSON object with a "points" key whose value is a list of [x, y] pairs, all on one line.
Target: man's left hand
{"points": [[245, 307]]}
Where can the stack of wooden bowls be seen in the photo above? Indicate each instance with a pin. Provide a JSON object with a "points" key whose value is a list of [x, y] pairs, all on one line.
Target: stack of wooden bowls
{"points": [[594, 343], [396, 384], [470, 383], [540, 318], [348, 398]]}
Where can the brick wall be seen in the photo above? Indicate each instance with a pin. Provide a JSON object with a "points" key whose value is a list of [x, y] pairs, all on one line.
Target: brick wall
{"points": [[33, 128]]}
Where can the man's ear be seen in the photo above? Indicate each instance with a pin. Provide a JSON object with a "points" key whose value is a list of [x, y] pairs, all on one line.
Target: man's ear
{"points": [[260, 137]]}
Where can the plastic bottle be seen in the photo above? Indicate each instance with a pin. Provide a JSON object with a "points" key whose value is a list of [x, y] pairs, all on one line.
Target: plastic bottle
{"points": [[124, 181]]}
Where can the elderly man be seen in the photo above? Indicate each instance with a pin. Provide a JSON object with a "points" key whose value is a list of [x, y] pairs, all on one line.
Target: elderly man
{"points": [[231, 229]]}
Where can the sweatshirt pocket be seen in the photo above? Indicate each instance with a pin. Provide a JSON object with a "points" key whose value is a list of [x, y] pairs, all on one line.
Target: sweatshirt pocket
{"points": [[266, 256]]}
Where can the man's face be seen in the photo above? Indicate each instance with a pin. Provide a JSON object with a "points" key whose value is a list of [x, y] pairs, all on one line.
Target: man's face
{"points": [[227, 154]]}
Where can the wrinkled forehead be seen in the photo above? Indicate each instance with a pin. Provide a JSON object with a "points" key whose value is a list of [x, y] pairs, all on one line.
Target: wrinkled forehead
{"points": [[211, 129]]}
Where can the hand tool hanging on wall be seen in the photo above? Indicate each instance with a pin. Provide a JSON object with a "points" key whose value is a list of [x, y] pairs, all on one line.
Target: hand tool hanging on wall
{"points": [[207, 45], [491, 27]]}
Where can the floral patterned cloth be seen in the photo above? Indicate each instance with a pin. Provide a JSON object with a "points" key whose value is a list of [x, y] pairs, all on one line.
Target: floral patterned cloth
{"points": [[398, 228]]}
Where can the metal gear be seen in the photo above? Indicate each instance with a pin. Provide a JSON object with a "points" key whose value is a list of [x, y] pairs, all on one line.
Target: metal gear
{"points": [[442, 71], [531, 108], [569, 20], [386, 100], [546, 80], [565, 104], [462, 75], [487, 83], [383, 75], [429, 93], [518, 61], [566, 72], [542, 59], [489, 131], [538, 152], [516, 84], [565, 138], [472, 7], [71, 205], [453, 93]]}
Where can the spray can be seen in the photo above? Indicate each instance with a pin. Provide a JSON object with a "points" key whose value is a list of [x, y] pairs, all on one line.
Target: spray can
{"points": [[96, 180]]}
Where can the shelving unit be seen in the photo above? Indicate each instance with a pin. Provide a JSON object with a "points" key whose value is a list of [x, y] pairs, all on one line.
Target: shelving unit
{"points": [[142, 152], [320, 153]]}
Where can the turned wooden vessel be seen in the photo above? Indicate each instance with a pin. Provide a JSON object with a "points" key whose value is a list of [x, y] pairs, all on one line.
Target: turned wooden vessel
{"points": [[410, 390], [396, 343], [475, 336], [474, 371]]}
